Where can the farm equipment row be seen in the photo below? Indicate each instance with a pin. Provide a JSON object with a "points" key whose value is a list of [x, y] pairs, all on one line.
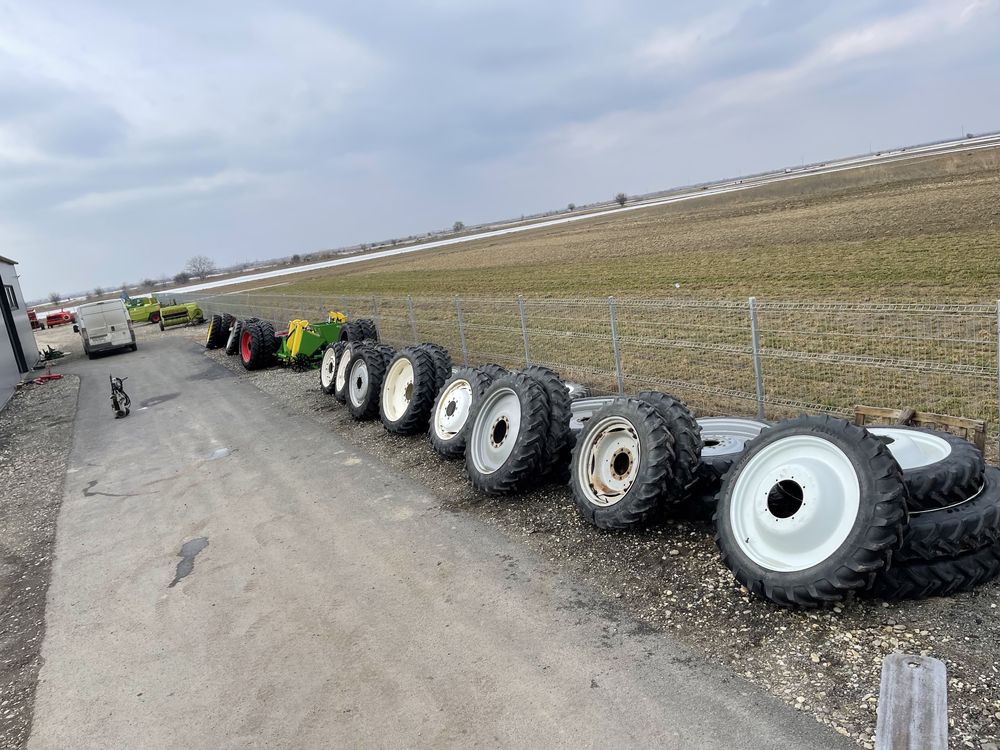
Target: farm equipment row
{"points": [[807, 512]]}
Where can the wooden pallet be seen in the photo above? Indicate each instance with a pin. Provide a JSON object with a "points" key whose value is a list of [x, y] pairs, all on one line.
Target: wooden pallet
{"points": [[973, 430]]}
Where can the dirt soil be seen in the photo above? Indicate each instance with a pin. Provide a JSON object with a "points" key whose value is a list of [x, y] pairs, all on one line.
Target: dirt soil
{"points": [[669, 576], [923, 230], [36, 433]]}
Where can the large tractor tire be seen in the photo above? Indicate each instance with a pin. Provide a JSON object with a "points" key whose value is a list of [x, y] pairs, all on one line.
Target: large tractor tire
{"points": [[442, 362], [368, 329], [939, 577], [233, 342], [154, 317], [939, 469], [216, 337], [342, 371], [365, 382], [227, 323], [450, 416], [956, 530], [408, 391], [687, 440], [506, 439], [328, 367], [257, 345], [352, 330], [494, 371], [723, 440], [621, 464], [559, 445], [811, 512]]}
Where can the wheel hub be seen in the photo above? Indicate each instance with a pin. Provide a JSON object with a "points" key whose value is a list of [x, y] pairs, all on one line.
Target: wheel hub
{"points": [[612, 457]]}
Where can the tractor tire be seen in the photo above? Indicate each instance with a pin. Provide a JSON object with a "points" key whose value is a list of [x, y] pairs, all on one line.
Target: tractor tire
{"points": [[328, 367], [227, 323], [723, 441], [408, 391], [507, 432], [494, 371], [269, 335], [154, 317], [621, 464], [368, 329], [343, 369], [366, 376], [162, 328], [352, 331], [959, 529], [450, 415], [687, 440], [940, 469], [442, 363], [559, 446], [256, 347], [811, 512], [215, 338], [940, 577], [387, 351], [233, 343]]}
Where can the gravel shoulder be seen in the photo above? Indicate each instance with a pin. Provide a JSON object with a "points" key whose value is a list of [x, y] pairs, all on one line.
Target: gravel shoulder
{"points": [[36, 434], [826, 664]]}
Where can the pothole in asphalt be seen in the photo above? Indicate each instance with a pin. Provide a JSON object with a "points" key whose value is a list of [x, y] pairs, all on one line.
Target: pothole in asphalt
{"points": [[189, 551]]}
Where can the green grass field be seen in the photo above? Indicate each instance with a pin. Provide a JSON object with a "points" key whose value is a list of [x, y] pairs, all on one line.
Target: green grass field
{"points": [[924, 230]]}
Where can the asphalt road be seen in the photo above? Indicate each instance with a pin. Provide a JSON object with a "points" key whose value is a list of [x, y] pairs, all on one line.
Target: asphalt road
{"points": [[230, 575]]}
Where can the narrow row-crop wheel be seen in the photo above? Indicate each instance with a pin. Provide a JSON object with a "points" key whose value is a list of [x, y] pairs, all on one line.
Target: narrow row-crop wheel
{"points": [[408, 391], [328, 366], [365, 381], [216, 337], [257, 345], [450, 416], [233, 342]]}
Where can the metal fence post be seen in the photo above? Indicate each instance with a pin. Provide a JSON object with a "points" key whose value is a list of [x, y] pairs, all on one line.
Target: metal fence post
{"points": [[757, 372], [413, 317], [461, 330], [619, 374], [524, 330]]}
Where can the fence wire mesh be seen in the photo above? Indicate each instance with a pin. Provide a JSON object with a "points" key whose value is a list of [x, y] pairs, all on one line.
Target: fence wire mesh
{"points": [[807, 356]]}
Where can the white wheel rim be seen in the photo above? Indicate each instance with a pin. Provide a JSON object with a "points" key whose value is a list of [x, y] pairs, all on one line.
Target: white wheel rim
{"points": [[913, 449], [794, 503], [345, 358], [609, 461], [453, 409], [359, 381], [398, 389], [723, 436], [329, 364], [495, 430]]}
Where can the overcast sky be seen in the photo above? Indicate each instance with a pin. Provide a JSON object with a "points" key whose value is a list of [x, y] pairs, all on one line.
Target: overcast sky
{"points": [[135, 135]]}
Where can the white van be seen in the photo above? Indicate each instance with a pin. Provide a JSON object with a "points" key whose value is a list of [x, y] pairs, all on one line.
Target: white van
{"points": [[105, 326]]}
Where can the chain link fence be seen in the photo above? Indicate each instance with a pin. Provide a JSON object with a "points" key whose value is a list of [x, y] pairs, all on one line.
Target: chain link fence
{"points": [[770, 359]]}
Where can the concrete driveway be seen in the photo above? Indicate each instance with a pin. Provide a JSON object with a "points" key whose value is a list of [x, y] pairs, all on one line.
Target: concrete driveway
{"points": [[229, 575]]}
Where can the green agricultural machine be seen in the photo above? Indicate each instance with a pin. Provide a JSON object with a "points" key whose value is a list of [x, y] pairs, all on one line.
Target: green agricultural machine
{"points": [[301, 346], [180, 315], [143, 309]]}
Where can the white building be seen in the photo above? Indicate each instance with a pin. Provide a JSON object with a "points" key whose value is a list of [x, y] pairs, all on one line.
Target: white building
{"points": [[18, 350]]}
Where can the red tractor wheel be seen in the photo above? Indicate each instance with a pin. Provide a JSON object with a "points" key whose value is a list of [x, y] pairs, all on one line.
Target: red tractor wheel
{"points": [[154, 317]]}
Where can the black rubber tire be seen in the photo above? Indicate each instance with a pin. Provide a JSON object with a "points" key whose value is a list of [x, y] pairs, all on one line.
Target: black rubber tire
{"points": [[687, 441], [940, 577], [352, 331], [338, 351], [869, 546], [946, 482], [454, 446], [154, 317], [215, 338], [442, 362], [368, 329], [233, 342], [494, 371], [376, 363], [416, 417], [227, 324], [703, 492], [387, 351], [350, 349], [656, 459], [261, 348], [522, 467], [269, 337], [956, 530], [559, 446]]}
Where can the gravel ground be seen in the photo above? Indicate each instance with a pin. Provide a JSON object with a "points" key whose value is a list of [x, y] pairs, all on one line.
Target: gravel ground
{"points": [[670, 577], [36, 433]]}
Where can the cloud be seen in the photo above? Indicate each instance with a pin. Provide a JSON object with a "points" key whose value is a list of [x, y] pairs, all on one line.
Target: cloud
{"points": [[679, 45], [196, 186]]}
